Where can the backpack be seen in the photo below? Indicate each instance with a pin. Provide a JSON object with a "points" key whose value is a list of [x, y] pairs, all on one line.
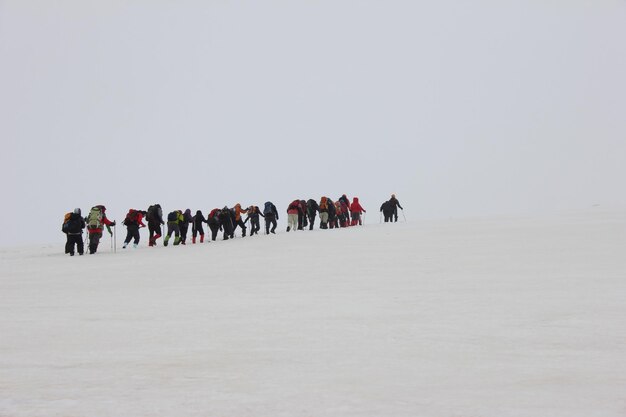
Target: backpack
{"points": [[150, 213], [66, 223], [172, 217], [323, 204], [131, 217], [94, 220], [268, 208]]}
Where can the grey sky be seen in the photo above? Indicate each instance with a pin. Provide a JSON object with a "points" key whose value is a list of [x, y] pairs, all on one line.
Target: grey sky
{"points": [[461, 108]]}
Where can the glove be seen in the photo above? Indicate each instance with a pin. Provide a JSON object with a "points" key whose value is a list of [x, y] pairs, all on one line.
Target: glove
{"points": [[113, 223]]}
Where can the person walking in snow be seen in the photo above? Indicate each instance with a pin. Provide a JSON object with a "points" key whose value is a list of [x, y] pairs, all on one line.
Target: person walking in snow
{"points": [[271, 217], [332, 214], [323, 209], [356, 210], [312, 209], [213, 221], [196, 226], [387, 211], [238, 220], [293, 210], [133, 221], [184, 226], [302, 218], [154, 217], [95, 220], [174, 219], [73, 228], [395, 204], [254, 214], [226, 221]]}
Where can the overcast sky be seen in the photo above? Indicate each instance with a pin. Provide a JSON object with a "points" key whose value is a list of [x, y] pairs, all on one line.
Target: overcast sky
{"points": [[460, 108]]}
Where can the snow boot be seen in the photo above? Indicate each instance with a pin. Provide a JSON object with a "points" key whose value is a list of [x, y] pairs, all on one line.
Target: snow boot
{"points": [[201, 238]]}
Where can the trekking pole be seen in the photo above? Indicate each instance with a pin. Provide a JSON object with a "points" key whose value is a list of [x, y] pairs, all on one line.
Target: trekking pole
{"points": [[380, 219], [402, 210], [115, 238]]}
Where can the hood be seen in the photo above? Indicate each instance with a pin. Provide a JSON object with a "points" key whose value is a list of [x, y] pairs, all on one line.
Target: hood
{"points": [[355, 199], [77, 211]]}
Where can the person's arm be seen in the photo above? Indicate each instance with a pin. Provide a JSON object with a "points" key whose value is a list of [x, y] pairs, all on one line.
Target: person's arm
{"points": [[140, 220], [400, 206]]}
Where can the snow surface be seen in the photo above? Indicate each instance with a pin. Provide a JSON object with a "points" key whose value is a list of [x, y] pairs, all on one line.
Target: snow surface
{"points": [[475, 317]]}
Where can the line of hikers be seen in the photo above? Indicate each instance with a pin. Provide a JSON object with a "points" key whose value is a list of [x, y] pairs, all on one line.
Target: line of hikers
{"points": [[301, 214]]}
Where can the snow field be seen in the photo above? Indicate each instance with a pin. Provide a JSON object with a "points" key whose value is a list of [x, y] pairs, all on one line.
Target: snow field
{"points": [[474, 317]]}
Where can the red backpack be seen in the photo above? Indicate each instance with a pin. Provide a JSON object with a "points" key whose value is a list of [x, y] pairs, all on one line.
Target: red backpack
{"points": [[131, 216]]}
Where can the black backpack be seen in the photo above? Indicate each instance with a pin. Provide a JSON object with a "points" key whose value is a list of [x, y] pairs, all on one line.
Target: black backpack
{"points": [[74, 224], [172, 217], [268, 208]]}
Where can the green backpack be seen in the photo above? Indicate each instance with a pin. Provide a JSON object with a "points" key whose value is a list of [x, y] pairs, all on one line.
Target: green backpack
{"points": [[94, 220]]}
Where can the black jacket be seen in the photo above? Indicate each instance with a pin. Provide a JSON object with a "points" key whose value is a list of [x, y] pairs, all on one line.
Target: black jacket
{"points": [[75, 224]]}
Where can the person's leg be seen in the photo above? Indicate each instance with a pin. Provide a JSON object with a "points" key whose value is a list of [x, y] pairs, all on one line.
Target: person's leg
{"points": [[129, 236], [177, 234], [200, 231], [94, 241], [69, 245], [136, 235], [183, 232], [80, 245], [170, 229]]}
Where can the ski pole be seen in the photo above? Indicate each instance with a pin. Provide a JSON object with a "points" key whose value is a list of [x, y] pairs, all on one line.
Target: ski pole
{"points": [[402, 210], [115, 238]]}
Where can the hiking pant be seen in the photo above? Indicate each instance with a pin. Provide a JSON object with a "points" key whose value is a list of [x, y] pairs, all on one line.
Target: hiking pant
{"points": [[324, 220], [94, 241], [155, 232], [227, 226], [300, 221], [198, 230], [172, 227], [132, 232], [74, 239], [292, 222], [255, 225], [395, 213], [270, 218], [241, 224], [215, 228], [184, 227], [311, 221], [356, 218], [388, 217]]}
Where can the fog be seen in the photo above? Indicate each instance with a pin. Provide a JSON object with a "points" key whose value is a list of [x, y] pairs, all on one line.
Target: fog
{"points": [[460, 108]]}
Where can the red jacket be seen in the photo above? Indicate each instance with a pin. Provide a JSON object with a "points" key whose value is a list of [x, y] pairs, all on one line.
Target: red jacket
{"points": [[294, 207], [355, 207]]}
